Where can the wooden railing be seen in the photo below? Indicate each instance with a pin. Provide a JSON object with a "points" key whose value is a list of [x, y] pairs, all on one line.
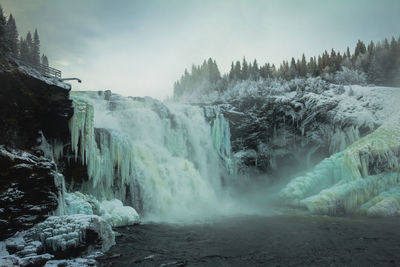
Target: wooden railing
{"points": [[43, 69]]}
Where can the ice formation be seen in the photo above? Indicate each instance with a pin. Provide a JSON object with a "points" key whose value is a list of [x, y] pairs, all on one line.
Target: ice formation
{"points": [[56, 235], [359, 179], [115, 213], [112, 211], [165, 161], [221, 136], [59, 233]]}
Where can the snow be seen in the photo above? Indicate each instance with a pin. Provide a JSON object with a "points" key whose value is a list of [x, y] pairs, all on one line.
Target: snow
{"points": [[49, 80]]}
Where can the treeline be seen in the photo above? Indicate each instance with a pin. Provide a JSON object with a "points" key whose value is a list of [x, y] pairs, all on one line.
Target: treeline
{"points": [[379, 62], [27, 49], [203, 77]]}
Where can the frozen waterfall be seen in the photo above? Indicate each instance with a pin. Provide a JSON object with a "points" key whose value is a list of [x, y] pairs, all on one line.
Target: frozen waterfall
{"points": [[364, 178], [164, 160]]}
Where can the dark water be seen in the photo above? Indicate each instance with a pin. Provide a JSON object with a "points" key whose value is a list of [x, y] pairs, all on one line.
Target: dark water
{"points": [[260, 241]]}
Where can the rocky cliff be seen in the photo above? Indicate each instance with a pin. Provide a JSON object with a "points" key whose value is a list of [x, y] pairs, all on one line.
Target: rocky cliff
{"points": [[30, 103], [286, 130], [30, 106]]}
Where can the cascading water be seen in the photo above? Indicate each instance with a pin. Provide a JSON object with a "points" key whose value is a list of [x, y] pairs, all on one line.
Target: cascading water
{"points": [[167, 162], [174, 162]]}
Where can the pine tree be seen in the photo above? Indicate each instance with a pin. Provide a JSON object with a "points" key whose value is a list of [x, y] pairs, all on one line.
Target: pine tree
{"points": [[371, 47], [245, 70], [339, 61], [386, 44], [231, 75], [272, 71], [293, 70], [312, 67], [348, 54], [360, 49], [36, 48], [393, 63], [214, 73], [333, 62], [285, 70], [320, 67], [45, 61], [23, 49], [237, 70], [12, 35], [255, 71], [29, 46], [303, 66], [3, 23]]}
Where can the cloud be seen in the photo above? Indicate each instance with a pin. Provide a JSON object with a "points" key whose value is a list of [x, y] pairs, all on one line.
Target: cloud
{"points": [[142, 47]]}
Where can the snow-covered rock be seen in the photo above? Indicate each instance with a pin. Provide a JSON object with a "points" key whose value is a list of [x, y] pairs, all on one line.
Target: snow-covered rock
{"points": [[60, 233], [300, 122], [58, 236], [29, 192]]}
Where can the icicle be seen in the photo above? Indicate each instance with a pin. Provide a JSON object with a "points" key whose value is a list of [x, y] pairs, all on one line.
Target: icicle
{"points": [[221, 137]]}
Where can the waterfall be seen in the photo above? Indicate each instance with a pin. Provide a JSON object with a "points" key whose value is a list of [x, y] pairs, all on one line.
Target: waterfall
{"points": [[165, 160]]}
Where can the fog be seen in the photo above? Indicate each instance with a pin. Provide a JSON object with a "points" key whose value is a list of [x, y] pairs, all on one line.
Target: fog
{"points": [[141, 47]]}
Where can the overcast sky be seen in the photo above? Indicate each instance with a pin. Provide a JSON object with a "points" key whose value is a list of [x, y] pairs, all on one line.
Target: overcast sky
{"points": [[140, 48]]}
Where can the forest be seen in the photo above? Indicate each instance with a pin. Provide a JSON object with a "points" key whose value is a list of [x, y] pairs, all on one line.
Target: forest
{"points": [[26, 49], [377, 64]]}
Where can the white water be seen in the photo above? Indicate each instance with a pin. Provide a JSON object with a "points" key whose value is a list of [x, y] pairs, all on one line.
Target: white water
{"points": [[166, 162]]}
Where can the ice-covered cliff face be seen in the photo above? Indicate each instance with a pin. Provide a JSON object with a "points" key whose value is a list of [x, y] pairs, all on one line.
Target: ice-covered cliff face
{"points": [[351, 134], [287, 130], [365, 176], [167, 162]]}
